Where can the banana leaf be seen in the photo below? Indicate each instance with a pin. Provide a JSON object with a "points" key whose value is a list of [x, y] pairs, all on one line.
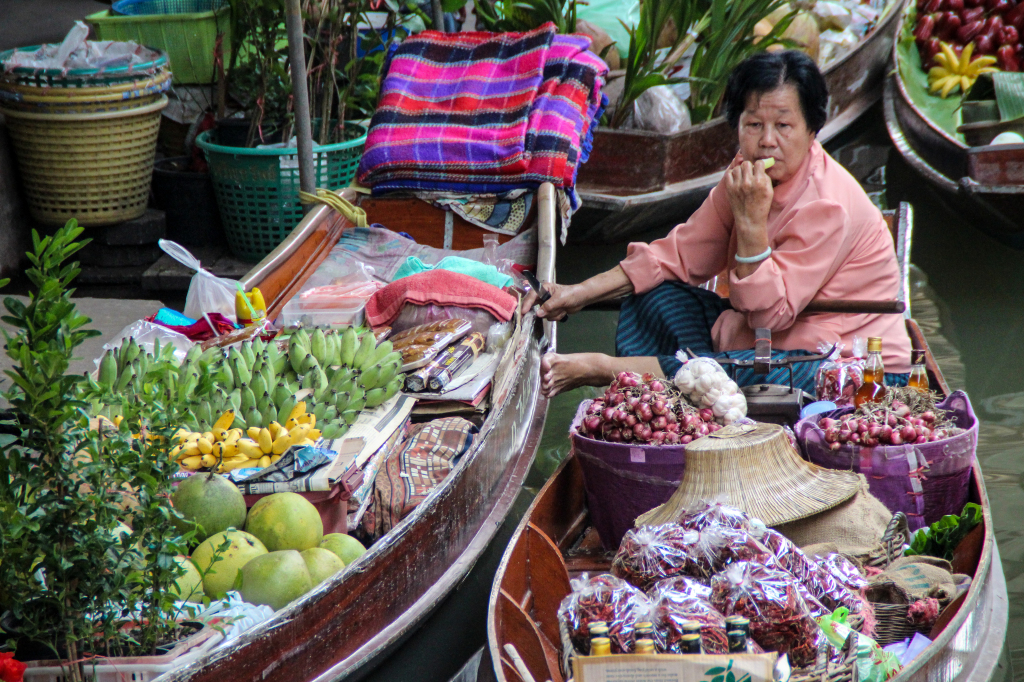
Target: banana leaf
{"points": [[944, 113]]}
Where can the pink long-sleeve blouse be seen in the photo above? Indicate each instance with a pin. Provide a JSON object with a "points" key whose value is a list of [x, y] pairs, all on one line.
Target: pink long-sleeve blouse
{"points": [[828, 242]]}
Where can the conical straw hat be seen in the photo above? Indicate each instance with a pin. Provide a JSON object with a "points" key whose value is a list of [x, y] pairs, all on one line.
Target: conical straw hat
{"points": [[756, 469]]}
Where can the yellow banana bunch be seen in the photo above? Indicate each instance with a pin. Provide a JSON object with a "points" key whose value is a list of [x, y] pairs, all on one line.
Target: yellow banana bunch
{"points": [[955, 72], [228, 449]]}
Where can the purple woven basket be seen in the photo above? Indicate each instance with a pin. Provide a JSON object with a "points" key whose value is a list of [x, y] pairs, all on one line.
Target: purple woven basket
{"points": [[624, 481], [923, 481]]}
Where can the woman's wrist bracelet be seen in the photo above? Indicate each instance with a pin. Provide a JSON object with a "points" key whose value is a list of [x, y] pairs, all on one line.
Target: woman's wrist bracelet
{"points": [[747, 260]]}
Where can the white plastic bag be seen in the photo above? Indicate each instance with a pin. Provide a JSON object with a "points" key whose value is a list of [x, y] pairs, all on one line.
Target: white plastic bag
{"points": [[207, 293], [146, 333], [660, 110]]}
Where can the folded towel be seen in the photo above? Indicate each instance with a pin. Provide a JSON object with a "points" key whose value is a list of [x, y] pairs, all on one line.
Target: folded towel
{"points": [[439, 287], [466, 266]]}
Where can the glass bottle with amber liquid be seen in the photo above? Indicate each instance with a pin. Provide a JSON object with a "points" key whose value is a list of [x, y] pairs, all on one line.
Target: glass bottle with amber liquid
{"points": [[873, 388], [918, 374]]}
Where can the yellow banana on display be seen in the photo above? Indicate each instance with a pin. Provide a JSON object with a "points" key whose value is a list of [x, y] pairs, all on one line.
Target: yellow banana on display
{"points": [[954, 72]]}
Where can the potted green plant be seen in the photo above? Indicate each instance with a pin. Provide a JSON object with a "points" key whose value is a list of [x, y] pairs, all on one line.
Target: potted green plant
{"points": [[257, 186], [89, 568]]}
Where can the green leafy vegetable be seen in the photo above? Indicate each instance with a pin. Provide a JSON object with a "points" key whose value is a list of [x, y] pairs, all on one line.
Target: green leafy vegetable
{"points": [[942, 537]]}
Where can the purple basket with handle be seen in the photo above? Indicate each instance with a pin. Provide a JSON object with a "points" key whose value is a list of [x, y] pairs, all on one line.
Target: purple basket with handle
{"points": [[624, 480], [924, 481]]}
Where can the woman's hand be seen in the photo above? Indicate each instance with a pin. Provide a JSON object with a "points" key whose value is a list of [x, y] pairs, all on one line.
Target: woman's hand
{"points": [[750, 196], [566, 299]]}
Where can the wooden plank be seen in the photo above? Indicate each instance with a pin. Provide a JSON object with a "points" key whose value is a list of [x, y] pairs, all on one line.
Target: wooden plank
{"points": [[559, 504], [426, 224], [520, 630], [549, 581]]}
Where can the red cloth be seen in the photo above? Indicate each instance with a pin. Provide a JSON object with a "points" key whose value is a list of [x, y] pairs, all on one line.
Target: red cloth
{"points": [[440, 287], [10, 669], [200, 331]]}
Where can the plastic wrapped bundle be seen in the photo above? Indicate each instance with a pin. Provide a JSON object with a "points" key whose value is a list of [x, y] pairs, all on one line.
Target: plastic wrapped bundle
{"points": [[603, 598], [674, 607], [724, 546], [709, 514], [652, 553], [686, 585], [843, 570], [820, 582], [771, 599]]}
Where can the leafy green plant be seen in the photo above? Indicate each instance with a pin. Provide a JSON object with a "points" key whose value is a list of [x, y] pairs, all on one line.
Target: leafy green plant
{"points": [[525, 15], [645, 63], [942, 537], [725, 41], [74, 576]]}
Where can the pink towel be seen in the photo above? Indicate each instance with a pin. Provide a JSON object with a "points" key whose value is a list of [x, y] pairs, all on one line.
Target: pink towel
{"points": [[440, 287]]}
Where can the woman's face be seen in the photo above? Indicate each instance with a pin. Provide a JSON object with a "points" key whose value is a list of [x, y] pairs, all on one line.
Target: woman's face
{"points": [[773, 125]]}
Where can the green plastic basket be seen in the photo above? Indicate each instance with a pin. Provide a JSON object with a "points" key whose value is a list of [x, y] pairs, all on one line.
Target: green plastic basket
{"points": [[189, 39], [258, 189]]}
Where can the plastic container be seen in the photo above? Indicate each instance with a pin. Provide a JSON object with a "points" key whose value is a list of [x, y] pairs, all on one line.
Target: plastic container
{"points": [[258, 189], [94, 167], [623, 481], [925, 481], [186, 30], [312, 313], [134, 669], [189, 203]]}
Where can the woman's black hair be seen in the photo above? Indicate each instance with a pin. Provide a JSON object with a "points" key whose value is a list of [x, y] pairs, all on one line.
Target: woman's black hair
{"points": [[766, 71]]}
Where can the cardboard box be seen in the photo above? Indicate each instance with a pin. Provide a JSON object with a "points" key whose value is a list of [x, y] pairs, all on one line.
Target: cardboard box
{"points": [[675, 668]]}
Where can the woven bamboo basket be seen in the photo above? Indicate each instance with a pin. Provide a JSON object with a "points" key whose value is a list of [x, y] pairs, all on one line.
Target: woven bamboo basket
{"points": [[59, 100], [95, 167], [755, 469]]}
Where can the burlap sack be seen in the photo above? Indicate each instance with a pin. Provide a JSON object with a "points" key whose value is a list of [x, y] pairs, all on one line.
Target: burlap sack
{"points": [[911, 578], [854, 528]]}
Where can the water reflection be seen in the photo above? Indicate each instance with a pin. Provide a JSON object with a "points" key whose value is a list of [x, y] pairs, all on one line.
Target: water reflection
{"points": [[966, 295]]}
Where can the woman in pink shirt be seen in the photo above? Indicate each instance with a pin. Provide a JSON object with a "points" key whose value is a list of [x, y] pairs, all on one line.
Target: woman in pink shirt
{"points": [[800, 230]]}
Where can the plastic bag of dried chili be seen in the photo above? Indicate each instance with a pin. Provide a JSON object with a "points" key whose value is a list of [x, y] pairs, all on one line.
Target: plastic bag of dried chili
{"points": [[691, 587], [843, 570], [707, 514], [652, 553], [723, 546], [674, 607], [603, 598], [818, 580], [780, 619]]}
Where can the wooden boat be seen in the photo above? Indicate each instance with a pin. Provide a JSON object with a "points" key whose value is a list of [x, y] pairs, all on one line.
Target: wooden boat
{"points": [[348, 622], [555, 541], [637, 181], [982, 181]]}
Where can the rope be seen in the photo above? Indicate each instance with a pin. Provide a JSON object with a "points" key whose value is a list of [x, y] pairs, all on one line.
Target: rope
{"points": [[353, 214]]}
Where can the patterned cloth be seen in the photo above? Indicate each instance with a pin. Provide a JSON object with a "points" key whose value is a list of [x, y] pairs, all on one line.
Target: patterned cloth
{"points": [[484, 112], [408, 475], [675, 316]]}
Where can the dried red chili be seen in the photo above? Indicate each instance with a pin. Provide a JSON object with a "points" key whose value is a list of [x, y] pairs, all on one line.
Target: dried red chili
{"points": [[652, 553], [771, 599], [830, 592], [674, 607], [603, 598]]}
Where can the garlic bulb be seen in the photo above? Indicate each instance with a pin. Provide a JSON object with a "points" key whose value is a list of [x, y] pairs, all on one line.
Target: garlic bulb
{"points": [[711, 397], [706, 384], [729, 401], [684, 380], [733, 415]]}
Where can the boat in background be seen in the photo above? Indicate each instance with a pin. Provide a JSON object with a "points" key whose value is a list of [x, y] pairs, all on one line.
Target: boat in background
{"points": [[637, 181], [986, 181], [556, 541], [348, 624]]}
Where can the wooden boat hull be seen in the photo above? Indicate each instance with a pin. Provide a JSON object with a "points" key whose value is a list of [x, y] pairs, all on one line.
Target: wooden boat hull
{"points": [[636, 181], [342, 628], [942, 161], [533, 577]]}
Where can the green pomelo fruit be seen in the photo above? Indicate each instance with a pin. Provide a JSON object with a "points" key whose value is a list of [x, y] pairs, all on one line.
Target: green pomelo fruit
{"points": [[321, 563], [346, 547], [219, 577], [285, 521], [275, 579], [189, 586], [210, 501]]}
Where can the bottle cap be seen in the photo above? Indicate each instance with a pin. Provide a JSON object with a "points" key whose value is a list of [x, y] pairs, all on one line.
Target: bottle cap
{"points": [[645, 646], [598, 632], [691, 626], [875, 344], [597, 624], [600, 646], [644, 624]]}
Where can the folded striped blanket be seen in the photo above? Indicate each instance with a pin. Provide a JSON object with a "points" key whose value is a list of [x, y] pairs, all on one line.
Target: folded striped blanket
{"points": [[484, 112]]}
